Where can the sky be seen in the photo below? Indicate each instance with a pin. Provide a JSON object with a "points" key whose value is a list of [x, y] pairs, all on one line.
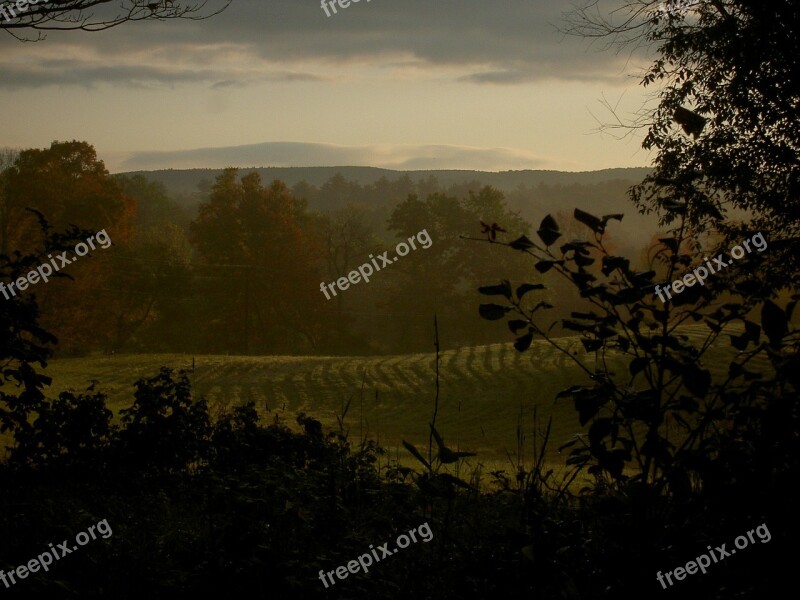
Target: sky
{"points": [[405, 84]]}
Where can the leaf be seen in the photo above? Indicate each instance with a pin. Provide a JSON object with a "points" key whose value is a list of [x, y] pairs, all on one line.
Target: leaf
{"points": [[610, 263], [436, 436], [596, 291], [516, 324], [493, 312], [605, 332], [697, 380], [752, 331], [549, 231], [571, 391], [790, 309], [589, 220], [589, 316], [671, 243], [522, 243], [524, 342], [737, 370], [575, 439], [775, 323], [739, 342], [543, 266], [528, 553], [630, 295], [577, 459], [582, 280], [691, 123], [573, 326], [643, 279], [527, 287], [615, 216], [677, 207], [504, 289], [600, 429], [416, 453], [583, 261], [578, 246], [448, 457], [587, 406], [637, 365], [591, 345], [451, 480]]}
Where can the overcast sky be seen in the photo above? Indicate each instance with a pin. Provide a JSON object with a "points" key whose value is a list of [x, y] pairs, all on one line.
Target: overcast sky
{"points": [[391, 83]]}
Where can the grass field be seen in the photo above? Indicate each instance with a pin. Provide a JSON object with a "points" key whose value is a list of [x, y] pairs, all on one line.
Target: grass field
{"points": [[486, 391]]}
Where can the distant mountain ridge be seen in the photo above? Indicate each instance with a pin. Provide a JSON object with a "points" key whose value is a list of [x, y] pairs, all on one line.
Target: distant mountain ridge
{"points": [[185, 181]]}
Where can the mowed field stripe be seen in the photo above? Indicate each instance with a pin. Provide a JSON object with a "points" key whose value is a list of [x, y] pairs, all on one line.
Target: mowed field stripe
{"points": [[489, 382]]}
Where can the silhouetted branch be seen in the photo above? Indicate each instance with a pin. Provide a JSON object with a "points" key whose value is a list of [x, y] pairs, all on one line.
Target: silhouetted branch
{"points": [[69, 15]]}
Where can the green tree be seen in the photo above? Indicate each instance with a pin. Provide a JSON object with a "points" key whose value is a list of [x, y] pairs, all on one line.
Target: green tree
{"points": [[154, 205], [440, 279], [150, 290]]}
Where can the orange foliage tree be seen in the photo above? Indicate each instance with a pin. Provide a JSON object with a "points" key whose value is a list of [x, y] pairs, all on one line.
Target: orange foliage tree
{"points": [[257, 269], [68, 184]]}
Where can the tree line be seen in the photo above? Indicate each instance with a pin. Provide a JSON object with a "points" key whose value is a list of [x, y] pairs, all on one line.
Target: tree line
{"points": [[240, 273]]}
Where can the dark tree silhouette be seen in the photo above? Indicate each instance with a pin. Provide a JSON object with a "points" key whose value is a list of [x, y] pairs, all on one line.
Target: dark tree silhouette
{"points": [[726, 127]]}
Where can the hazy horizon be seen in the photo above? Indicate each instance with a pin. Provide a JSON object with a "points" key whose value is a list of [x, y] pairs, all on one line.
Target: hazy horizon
{"points": [[474, 87]]}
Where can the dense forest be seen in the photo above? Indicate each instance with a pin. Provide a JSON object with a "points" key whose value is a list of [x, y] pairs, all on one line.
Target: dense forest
{"points": [[236, 266]]}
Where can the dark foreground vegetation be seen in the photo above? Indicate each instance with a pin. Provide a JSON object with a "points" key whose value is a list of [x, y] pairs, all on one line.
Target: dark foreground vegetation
{"points": [[223, 505], [673, 461], [233, 507]]}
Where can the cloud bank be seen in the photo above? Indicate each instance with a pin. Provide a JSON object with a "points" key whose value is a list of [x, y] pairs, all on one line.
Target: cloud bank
{"points": [[298, 154], [476, 42]]}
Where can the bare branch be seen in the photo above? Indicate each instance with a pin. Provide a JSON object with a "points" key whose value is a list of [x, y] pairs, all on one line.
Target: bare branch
{"points": [[68, 15], [622, 127]]}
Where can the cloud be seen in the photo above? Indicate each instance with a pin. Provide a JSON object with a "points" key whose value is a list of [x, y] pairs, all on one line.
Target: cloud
{"points": [[90, 74], [473, 41], [299, 154]]}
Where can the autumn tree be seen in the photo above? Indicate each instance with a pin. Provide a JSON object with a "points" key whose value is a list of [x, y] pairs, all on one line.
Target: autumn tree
{"points": [[257, 268], [69, 185]]}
